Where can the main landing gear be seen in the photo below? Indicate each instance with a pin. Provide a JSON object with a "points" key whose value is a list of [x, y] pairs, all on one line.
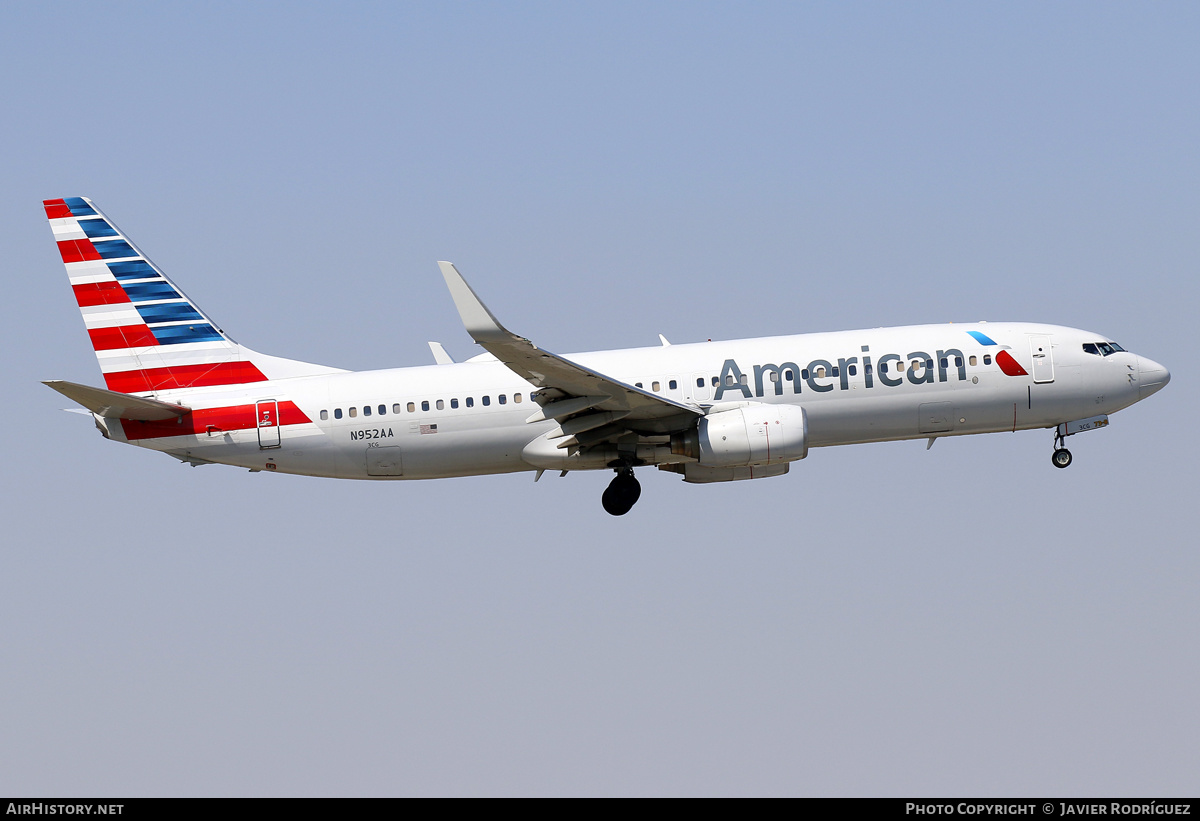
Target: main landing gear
{"points": [[622, 492], [1061, 457]]}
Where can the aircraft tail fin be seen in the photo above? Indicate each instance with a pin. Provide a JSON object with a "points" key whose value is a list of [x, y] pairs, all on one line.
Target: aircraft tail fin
{"points": [[147, 334]]}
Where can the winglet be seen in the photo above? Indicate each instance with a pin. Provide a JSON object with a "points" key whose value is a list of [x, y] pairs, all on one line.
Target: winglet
{"points": [[439, 354], [478, 320]]}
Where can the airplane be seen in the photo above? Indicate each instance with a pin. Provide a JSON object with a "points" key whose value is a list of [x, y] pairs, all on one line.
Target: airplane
{"points": [[719, 411]]}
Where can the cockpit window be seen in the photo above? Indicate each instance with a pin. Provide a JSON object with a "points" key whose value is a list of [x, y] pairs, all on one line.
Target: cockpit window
{"points": [[1102, 348], [1090, 347]]}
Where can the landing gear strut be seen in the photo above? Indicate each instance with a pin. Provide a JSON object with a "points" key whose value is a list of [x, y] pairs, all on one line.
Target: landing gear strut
{"points": [[622, 493], [1061, 457]]}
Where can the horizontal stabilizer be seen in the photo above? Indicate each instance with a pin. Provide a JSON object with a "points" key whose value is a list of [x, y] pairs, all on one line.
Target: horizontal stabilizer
{"points": [[113, 405]]}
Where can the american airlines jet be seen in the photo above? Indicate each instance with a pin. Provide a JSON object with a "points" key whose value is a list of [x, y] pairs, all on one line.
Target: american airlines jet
{"points": [[712, 411]]}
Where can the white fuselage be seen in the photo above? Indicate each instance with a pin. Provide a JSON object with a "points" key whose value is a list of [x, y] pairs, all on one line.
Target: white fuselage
{"points": [[434, 421]]}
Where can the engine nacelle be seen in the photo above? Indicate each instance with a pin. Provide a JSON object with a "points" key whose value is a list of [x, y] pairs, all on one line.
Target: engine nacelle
{"points": [[751, 435]]}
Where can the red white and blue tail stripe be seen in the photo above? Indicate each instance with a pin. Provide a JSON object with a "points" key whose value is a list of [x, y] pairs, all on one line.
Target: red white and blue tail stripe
{"points": [[148, 336]]}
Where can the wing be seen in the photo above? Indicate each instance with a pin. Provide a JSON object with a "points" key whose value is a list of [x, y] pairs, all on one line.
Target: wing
{"points": [[604, 407]]}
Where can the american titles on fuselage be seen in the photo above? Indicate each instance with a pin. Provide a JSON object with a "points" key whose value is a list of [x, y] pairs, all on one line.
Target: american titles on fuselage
{"points": [[920, 370]]}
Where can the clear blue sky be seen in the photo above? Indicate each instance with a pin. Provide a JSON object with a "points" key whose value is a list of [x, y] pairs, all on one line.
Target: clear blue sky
{"points": [[883, 620]]}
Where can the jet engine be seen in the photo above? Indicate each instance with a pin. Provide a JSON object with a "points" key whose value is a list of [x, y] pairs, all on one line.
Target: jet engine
{"points": [[754, 434]]}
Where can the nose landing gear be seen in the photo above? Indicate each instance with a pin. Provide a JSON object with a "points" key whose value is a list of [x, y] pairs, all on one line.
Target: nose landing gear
{"points": [[622, 493], [1061, 457]]}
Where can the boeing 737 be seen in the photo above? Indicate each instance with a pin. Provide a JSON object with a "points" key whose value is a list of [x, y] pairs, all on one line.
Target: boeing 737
{"points": [[711, 411]]}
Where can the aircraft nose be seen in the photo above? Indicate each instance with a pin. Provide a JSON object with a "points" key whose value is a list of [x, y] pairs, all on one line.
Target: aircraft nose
{"points": [[1153, 377]]}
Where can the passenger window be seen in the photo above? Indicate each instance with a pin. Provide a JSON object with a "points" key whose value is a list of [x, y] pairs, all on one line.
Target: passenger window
{"points": [[958, 361], [774, 376], [944, 362], [502, 398], [441, 405], [820, 373], [637, 384], [929, 364], [383, 410], [412, 408], [804, 374], [835, 371], [852, 370], [716, 380], [786, 375], [425, 404], [987, 359], [337, 413], [470, 401], [673, 385], [516, 398], [324, 415], [883, 367], [353, 412], [655, 386], [700, 382], [454, 403], [396, 408], [487, 400], [745, 380], [974, 360], [366, 410]]}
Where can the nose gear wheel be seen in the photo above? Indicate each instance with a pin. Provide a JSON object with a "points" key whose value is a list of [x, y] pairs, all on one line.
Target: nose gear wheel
{"points": [[1061, 457]]}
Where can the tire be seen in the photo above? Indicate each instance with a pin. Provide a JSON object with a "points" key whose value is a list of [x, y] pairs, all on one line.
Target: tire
{"points": [[621, 495]]}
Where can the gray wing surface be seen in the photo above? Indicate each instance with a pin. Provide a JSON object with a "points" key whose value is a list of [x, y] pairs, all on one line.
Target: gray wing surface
{"points": [[568, 388]]}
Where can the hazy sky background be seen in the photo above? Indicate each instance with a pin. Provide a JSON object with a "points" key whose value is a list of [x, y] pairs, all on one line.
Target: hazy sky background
{"points": [[883, 620]]}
